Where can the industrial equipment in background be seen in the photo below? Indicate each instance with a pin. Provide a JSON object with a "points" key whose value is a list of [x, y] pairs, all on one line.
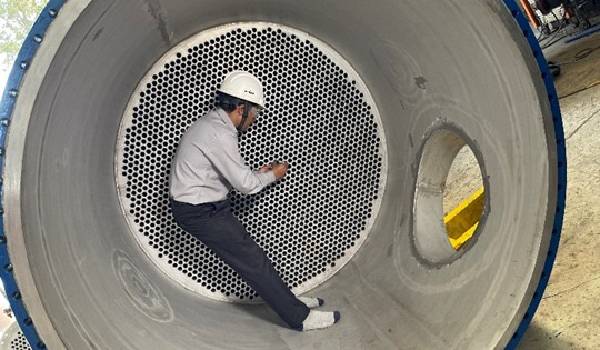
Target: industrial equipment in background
{"points": [[548, 15], [564, 21], [561, 18]]}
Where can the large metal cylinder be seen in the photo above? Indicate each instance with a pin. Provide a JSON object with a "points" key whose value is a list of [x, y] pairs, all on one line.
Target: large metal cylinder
{"points": [[370, 102]]}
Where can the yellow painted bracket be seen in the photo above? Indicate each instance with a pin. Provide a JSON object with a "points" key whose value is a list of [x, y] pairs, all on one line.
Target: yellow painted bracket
{"points": [[462, 221]]}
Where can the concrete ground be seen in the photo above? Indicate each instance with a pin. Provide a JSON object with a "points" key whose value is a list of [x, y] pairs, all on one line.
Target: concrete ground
{"points": [[569, 316]]}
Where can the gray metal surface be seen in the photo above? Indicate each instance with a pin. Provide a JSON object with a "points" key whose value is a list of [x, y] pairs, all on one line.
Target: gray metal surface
{"points": [[429, 65]]}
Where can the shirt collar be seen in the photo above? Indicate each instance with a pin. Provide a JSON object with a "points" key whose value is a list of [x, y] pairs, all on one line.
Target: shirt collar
{"points": [[224, 117]]}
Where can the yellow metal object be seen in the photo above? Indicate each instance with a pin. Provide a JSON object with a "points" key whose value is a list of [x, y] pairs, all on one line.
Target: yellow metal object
{"points": [[462, 221]]}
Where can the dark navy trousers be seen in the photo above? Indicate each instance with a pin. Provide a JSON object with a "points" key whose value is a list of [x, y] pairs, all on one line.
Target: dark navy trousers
{"points": [[215, 225]]}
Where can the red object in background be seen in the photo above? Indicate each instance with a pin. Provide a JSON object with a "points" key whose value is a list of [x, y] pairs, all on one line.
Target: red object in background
{"points": [[530, 14]]}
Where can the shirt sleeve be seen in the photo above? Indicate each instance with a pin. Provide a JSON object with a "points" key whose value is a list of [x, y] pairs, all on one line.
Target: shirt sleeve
{"points": [[226, 158]]}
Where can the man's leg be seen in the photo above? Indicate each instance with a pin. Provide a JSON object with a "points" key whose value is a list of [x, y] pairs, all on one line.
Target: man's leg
{"points": [[245, 256], [226, 236]]}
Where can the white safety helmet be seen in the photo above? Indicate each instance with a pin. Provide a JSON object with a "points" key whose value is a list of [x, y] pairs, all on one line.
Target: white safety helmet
{"points": [[245, 86]]}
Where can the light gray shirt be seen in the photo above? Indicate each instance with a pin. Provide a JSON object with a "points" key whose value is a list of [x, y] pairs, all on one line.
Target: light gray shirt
{"points": [[208, 163]]}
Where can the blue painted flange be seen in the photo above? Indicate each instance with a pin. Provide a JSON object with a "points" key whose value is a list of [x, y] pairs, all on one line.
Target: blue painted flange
{"points": [[562, 171], [11, 92]]}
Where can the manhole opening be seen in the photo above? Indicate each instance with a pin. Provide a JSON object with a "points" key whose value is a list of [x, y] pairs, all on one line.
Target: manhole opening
{"points": [[449, 197]]}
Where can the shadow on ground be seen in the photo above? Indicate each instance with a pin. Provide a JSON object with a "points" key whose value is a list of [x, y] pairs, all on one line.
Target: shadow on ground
{"points": [[538, 338]]}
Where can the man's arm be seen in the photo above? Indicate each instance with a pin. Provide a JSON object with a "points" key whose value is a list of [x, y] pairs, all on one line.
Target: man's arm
{"points": [[225, 156]]}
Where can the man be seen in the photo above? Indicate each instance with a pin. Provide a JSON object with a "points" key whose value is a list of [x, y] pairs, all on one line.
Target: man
{"points": [[207, 164]]}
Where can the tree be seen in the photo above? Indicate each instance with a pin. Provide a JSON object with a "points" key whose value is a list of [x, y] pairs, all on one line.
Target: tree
{"points": [[16, 19]]}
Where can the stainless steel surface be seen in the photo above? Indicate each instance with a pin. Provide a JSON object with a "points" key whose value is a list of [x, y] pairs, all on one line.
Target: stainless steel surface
{"points": [[455, 65]]}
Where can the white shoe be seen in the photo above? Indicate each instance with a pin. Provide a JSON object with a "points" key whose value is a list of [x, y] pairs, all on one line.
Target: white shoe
{"points": [[320, 319], [312, 302]]}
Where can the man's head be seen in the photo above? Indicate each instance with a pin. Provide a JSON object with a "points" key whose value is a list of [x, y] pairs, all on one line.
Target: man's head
{"points": [[236, 109], [241, 96]]}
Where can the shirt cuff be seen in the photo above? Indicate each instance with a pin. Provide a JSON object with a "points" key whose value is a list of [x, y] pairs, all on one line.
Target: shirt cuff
{"points": [[266, 178]]}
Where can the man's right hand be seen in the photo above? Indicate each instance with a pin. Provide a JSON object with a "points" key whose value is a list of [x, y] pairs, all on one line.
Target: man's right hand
{"points": [[280, 169]]}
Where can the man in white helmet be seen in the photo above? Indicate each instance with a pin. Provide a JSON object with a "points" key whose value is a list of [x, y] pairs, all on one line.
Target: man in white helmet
{"points": [[207, 164]]}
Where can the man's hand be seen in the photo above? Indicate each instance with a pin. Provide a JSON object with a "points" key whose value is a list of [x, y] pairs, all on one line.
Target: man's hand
{"points": [[279, 169], [265, 168]]}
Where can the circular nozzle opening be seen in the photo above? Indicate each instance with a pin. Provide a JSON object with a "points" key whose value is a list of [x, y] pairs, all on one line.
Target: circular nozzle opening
{"points": [[449, 197]]}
